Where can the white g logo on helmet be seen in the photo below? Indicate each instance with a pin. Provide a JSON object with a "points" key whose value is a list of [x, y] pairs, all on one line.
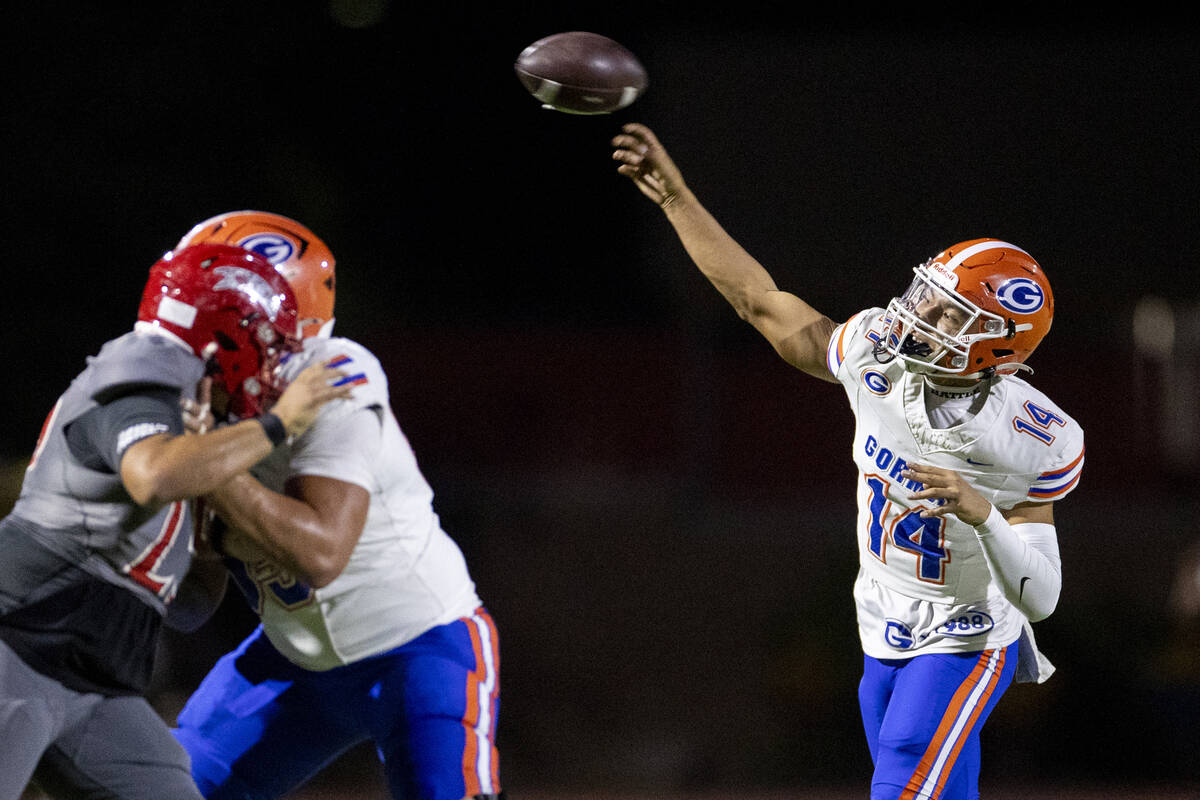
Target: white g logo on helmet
{"points": [[252, 285], [271, 246], [1020, 295]]}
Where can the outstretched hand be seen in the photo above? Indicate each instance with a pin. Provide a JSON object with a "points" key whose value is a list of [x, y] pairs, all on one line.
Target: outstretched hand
{"points": [[645, 162], [958, 497], [315, 386]]}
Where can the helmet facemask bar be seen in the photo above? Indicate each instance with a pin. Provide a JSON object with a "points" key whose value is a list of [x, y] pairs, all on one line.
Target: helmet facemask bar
{"points": [[258, 391], [932, 328]]}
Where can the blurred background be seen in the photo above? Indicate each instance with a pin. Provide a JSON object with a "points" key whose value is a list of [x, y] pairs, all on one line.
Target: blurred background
{"points": [[657, 511]]}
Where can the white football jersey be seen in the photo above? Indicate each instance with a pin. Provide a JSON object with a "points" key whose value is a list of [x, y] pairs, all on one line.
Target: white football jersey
{"points": [[923, 584], [406, 575]]}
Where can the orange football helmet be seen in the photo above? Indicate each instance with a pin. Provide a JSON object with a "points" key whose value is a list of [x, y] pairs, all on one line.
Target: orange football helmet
{"points": [[974, 310], [301, 257]]}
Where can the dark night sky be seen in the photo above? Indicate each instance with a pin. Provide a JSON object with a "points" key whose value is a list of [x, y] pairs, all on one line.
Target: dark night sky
{"points": [[840, 148], [547, 338]]}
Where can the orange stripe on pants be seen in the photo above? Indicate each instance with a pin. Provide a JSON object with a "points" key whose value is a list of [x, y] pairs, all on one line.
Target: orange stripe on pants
{"points": [[478, 678], [471, 717], [949, 721]]}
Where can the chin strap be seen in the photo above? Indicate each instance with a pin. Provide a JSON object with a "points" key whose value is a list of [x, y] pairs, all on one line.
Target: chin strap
{"points": [[991, 372], [1012, 369]]}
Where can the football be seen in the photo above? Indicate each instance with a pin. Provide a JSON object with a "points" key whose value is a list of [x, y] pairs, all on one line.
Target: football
{"points": [[581, 73]]}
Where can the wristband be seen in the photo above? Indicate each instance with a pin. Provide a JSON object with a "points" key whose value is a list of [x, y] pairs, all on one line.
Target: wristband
{"points": [[273, 427]]}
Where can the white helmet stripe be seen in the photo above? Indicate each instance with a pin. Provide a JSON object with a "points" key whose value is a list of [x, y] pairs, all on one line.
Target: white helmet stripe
{"points": [[963, 255]]}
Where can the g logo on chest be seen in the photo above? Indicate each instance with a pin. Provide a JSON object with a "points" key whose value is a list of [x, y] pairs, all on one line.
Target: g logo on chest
{"points": [[876, 382]]}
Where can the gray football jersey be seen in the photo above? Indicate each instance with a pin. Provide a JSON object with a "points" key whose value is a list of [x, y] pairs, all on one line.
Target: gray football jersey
{"points": [[82, 512]]}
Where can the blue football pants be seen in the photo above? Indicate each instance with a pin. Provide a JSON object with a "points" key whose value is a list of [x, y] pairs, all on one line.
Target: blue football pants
{"points": [[259, 726], [922, 717]]}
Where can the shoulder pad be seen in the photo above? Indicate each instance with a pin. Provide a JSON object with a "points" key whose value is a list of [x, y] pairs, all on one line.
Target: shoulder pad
{"points": [[362, 369], [141, 359], [850, 348]]}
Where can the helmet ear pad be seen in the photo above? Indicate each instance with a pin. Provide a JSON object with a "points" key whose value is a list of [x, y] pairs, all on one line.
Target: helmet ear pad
{"points": [[234, 310], [299, 255]]}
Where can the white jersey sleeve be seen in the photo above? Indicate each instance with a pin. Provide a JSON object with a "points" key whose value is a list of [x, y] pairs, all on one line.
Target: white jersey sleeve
{"points": [[924, 584], [405, 575], [345, 440]]}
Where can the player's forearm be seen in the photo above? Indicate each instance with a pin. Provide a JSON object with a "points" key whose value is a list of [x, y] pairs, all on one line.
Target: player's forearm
{"points": [[288, 530], [797, 331], [737, 275], [162, 469], [1024, 562]]}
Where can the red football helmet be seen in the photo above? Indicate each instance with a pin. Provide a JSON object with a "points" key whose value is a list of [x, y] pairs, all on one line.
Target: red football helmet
{"points": [[295, 251], [234, 310], [977, 309]]}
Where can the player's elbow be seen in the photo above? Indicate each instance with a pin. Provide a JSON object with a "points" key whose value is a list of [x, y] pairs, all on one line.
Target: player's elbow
{"points": [[752, 306], [153, 475], [320, 577], [1039, 605], [323, 565], [154, 489], [1043, 609], [1040, 613]]}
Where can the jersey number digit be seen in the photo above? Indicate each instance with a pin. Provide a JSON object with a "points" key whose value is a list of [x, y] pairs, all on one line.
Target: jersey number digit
{"points": [[1039, 422], [142, 569], [255, 580], [921, 536], [47, 426]]}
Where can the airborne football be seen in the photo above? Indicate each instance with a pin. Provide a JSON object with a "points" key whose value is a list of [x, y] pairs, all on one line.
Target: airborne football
{"points": [[578, 72]]}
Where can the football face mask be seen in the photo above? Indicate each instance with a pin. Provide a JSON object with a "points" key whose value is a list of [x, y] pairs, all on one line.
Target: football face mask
{"points": [[932, 329], [975, 310]]}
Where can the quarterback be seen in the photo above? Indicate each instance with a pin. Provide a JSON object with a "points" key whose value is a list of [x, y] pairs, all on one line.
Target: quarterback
{"points": [[960, 462], [371, 628]]}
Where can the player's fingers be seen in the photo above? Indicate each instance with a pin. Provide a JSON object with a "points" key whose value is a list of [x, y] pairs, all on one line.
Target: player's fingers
{"points": [[627, 142], [204, 392], [330, 364], [637, 129], [938, 495], [654, 181], [330, 388], [317, 374], [643, 133], [627, 157], [338, 383], [923, 478], [930, 476], [628, 171]]}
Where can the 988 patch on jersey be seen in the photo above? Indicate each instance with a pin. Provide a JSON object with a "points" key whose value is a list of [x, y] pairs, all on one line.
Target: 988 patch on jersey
{"points": [[965, 625]]}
